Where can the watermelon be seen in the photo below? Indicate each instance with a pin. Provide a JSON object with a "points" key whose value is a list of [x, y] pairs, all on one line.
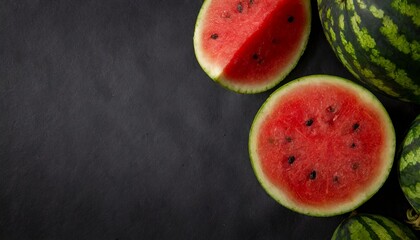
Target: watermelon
{"points": [[372, 226], [409, 171], [249, 46], [378, 41], [321, 145]]}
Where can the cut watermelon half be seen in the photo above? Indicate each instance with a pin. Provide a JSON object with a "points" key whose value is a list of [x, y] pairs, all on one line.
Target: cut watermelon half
{"points": [[322, 145], [249, 46]]}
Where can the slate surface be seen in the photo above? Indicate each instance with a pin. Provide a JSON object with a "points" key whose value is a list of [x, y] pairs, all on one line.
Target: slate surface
{"points": [[111, 130]]}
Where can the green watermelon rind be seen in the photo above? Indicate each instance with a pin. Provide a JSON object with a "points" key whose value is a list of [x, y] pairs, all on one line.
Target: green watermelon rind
{"points": [[342, 208], [378, 42], [372, 226], [409, 171], [216, 75]]}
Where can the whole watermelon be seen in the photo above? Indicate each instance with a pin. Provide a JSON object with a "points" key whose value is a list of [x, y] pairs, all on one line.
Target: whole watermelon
{"points": [[363, 226], [409, 171], [378, 41]]}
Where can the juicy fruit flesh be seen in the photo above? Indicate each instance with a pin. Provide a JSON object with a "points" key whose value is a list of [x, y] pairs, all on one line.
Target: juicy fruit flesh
{"points": [[321, 147], [253, 40]]}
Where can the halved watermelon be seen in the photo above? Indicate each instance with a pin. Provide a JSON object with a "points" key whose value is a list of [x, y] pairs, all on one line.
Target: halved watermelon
{"points": [[249, 46], [322, 145]]}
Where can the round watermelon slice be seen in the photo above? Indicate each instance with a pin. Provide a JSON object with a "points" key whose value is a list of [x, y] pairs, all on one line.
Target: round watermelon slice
{"points": [[249, 46], [322, 145]]}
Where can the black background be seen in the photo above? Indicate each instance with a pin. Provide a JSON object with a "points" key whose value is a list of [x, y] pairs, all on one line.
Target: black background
{"points": [[109, 129]]}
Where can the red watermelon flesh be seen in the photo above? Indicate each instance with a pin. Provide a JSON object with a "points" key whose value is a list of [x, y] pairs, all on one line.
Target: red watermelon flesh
{"points": [[249, 46], [322, 146]]}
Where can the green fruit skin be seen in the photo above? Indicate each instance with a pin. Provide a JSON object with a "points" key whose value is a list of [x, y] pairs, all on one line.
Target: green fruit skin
{"points": [[371, 226], [409, 165], [378, 41]]}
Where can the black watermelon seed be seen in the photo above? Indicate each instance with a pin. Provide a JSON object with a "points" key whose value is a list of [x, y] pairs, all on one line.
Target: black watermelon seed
{"points": [[356, 126], [330, 109], [354, 166], [291, 159], [255, 56], [335, 179], [353, 145], [290, 19], [251, 1], [309, 122], [288, 139], [312, 175], [239, 7], [214, 36]]}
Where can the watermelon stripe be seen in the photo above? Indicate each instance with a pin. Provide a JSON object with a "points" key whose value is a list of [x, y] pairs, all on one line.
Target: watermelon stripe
{"points": [[341, 4], [411, 150], [403, 39], [409, 171], [390, 30], [373, 48], [409, 174], [410, 10], [341, 22], [368, 43], [412, 139], [356, 229], [416, 123], [368, 228], [409, 179], [378, 228], [390, 230], [411, 144], [348, 46], [395, 14], [353, 66], [339, 52], [341, 233], [412, 134], [344, 234], [361, 4], [405, 231]]}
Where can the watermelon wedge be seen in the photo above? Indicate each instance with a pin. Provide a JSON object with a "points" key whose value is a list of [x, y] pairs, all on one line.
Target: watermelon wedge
{"points": [[249, 46], [322, 145]]}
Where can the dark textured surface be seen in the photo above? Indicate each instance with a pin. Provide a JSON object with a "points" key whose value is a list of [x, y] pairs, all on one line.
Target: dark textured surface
{"points": [[111, 130]]}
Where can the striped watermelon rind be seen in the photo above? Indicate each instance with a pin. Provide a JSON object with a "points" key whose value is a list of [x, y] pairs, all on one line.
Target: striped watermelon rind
{"points": [[372, 226], [409, 171], [378, 42]]}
